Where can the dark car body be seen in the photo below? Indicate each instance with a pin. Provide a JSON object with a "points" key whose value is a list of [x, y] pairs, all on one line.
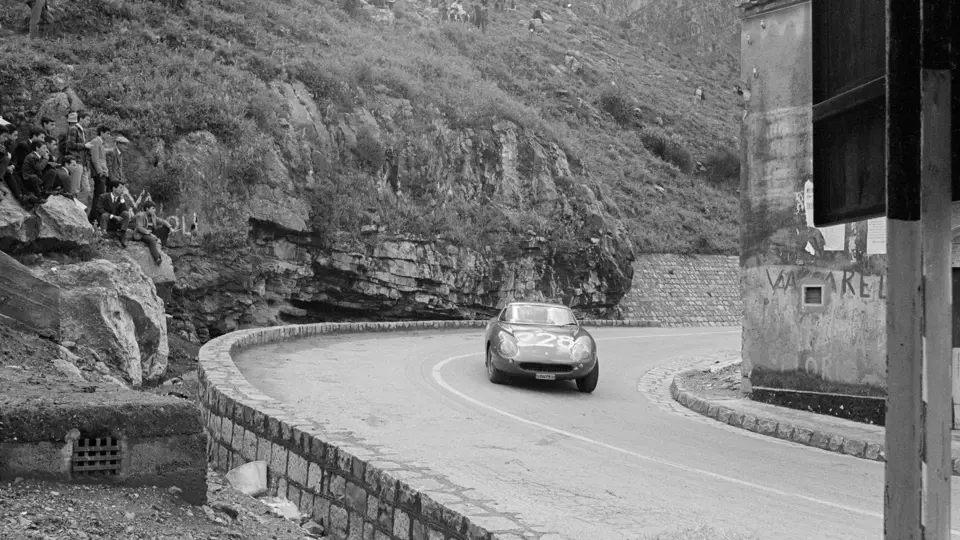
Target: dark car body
{"points": [[550, 343]]}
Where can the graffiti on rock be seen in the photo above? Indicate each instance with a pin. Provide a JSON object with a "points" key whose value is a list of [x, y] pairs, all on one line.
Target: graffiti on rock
{"points": [[187, 225]]}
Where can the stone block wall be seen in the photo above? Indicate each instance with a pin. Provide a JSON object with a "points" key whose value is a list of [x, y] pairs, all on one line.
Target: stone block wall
{"points": [[685, 290], [339, 483]]}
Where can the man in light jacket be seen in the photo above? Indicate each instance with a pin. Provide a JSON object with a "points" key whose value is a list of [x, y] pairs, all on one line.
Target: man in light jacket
{"points": [[98, 162]]}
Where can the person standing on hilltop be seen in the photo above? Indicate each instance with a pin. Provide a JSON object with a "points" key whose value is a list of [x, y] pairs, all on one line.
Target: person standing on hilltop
{"points": [[115, 159], [98, 158], [74, 143]]}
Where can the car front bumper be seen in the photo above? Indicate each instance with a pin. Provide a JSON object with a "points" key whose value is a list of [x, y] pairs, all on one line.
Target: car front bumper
{"points": [[529, 365]]}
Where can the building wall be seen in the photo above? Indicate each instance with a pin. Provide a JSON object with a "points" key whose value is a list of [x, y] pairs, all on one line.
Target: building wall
{"points": [[685, 290], [839, 345]]}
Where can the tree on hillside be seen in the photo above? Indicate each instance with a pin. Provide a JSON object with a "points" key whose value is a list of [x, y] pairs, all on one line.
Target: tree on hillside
{"points": [[36, 11]]}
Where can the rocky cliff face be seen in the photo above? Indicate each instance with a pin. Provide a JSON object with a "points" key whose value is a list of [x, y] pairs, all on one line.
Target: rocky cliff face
{"points": [[292, 270], [287, 278]]}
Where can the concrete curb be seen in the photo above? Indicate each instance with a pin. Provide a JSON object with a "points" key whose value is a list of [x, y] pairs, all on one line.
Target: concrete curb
{"points": [[771, 427], [345, 486]]}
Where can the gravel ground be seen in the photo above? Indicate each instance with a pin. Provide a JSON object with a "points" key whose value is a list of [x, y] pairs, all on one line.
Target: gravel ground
{"points": [[724, 384], [36, 510], [47, 511]]}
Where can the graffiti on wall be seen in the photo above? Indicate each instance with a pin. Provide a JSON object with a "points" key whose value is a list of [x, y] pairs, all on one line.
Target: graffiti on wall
{"points": [[843, 282]]}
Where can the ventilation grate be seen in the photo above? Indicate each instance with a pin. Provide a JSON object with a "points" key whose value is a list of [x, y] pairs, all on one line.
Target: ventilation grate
{"points": [[813, 295], [96, 457]]}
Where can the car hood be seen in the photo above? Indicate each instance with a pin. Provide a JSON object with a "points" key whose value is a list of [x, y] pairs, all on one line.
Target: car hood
{"points": [[569, 331]]}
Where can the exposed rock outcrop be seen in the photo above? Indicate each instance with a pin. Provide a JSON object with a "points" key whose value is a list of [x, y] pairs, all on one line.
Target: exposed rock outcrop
{"points": [[62, 222], [58, 224], [113, 309], [17, 226], [292, 273]]}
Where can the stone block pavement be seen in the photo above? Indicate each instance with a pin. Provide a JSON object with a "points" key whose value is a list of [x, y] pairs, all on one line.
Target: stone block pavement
{"points": [[752, 418]]}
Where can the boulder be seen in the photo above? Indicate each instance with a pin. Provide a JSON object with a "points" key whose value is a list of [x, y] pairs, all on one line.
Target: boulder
{"points": [[58, 105], [113, 308], [63, 223], [17, 226], [139, 253]]}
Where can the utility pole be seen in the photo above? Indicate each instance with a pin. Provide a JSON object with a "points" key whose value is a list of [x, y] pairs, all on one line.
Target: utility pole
{"points": [[918, 186], [882, 75]]}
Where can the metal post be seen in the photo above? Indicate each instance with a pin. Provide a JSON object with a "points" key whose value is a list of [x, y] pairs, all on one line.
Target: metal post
{"points": [[936, 192], [903, 488]]}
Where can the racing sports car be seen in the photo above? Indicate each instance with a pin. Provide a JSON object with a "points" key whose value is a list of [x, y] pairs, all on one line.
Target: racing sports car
{"points": [[540, 341]]}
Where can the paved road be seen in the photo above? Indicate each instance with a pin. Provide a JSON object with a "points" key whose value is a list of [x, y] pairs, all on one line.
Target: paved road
{"points": [[616, 464]]}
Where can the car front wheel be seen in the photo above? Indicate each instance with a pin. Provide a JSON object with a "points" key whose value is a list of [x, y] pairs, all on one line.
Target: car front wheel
{"points": [[495, 375], [588, 383]]}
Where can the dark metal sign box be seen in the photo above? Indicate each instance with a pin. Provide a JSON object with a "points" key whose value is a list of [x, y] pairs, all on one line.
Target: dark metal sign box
{"points": [[849, 110]]}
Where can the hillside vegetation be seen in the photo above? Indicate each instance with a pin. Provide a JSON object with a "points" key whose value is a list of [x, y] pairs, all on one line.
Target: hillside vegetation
{"points": [[160, 74]]}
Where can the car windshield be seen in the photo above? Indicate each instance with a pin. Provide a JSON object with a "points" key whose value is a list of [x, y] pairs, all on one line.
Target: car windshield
{"points": [[556, 316]]}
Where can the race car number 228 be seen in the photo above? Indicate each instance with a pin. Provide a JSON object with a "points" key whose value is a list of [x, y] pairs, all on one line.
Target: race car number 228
{"points": [[543, 339]]}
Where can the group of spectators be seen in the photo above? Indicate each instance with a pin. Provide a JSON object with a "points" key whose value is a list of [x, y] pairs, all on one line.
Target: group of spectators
{"points": [[47, 162]]}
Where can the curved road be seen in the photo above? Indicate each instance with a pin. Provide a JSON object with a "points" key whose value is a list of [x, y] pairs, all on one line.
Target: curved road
{"points": [[616, 464]]}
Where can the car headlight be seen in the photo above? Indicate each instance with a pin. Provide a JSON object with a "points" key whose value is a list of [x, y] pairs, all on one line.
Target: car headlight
{"points": [[508, 348], [582, 350]]}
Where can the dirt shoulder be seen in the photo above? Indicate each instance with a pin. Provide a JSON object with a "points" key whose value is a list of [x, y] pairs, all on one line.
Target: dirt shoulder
{"points": [[47, 511], [721, 384]]}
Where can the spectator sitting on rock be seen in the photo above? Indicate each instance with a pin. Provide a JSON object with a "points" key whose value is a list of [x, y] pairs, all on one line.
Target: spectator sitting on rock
{"points": [[34, 165], [114, 212], [57, 178], [49, 126], [8, 135], [24, 148], [151, 230]]}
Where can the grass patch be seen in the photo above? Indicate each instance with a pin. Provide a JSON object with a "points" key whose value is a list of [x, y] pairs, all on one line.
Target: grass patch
{"points": [[160, 74]]}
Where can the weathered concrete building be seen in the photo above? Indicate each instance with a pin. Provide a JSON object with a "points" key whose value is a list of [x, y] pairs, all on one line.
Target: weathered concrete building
{"points": [[814, 298]]}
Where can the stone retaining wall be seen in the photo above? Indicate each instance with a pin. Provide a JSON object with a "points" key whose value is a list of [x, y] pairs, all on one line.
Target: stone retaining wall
{"points": [[338, 483], [685, 290]]}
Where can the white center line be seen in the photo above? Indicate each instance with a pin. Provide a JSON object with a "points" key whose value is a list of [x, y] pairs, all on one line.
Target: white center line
{"points": [[438, 378]]}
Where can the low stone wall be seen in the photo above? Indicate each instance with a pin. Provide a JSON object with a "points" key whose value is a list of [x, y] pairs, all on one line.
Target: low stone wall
{"points": [[337, 483], [685, 290]]}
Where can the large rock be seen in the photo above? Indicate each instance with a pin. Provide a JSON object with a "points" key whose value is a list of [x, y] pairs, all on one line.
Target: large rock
{"points": [[17, 226], [113, 308], [63, 223], [139, 253], [58, 105], [55, 225]]}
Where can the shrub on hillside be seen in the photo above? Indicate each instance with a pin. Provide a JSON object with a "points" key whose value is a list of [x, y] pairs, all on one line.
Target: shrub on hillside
{"points": [[614, 102], [723, 166], [370, 151], [666, 147]]}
